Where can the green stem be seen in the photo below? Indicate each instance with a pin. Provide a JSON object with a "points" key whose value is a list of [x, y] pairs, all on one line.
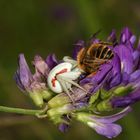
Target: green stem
{"points": [[20, 111]]}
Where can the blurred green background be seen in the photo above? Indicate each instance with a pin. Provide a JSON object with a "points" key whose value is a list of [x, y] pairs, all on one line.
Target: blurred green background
{"points": [[43, 27]]}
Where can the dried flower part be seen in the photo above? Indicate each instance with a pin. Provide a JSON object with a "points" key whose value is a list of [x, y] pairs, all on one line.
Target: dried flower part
{"points": [[33, 84], [41, 67]]}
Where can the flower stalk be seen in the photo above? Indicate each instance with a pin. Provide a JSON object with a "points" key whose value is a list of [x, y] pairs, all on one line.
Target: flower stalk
{"points": [[21, 111]]}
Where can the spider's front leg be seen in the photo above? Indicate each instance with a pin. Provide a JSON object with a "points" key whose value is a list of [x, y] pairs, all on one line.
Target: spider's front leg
{"points": [[71, 61]]}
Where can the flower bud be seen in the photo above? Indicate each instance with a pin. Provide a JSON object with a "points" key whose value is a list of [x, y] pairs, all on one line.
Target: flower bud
{"points": [[37, 98], [59, 100], [55, 114], [104, 105], [123, 90]]}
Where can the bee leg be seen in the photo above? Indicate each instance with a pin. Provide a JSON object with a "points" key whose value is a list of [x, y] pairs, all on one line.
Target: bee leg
{"points": [[92, 74]]}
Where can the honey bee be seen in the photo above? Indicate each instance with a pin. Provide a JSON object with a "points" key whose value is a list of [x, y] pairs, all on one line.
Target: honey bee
{"points": [[91, 58]]}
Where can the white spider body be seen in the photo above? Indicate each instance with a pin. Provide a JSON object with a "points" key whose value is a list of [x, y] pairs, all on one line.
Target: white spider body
{"points": [[53, 81], [63, 76]]}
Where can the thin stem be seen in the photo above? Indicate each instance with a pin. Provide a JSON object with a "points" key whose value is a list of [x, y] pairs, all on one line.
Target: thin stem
{"points": [[20, 111]]}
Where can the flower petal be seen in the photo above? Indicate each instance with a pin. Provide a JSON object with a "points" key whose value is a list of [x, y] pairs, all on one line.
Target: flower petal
{"points": [[136, 59], [116, 63], [107, 130], [24, 72], [135, 76], [126, 58], [112, 37], [112, 118], [98, 79], [99, 76], [115, 81], [78, 46], [63, 127], [125, 78], [126, 36], [40, 65], [127, 100], [18, 82], [51, 61], [115, 75]]}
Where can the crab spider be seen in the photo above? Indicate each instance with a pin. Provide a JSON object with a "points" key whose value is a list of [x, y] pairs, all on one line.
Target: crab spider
{"points": [[63, 76]]}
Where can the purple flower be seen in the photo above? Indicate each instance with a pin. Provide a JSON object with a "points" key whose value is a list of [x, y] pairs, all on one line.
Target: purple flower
{"points": [[103, 125], [33, 84], [115, 85], [122, 70], [63, 127]]}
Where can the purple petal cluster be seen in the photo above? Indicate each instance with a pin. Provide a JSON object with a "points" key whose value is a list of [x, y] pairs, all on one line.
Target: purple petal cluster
{"points": [[122, 70]]}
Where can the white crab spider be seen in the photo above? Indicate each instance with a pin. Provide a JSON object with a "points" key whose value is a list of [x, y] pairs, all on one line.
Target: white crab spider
{"points": [[63, 76]]}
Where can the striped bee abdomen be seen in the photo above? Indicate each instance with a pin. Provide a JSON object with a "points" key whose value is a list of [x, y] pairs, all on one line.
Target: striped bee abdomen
{"points": [[100, 51], [91, 58]]}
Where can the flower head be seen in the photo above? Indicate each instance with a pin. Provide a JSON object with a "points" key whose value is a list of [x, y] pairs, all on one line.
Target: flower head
{"points": [[84, 95]]}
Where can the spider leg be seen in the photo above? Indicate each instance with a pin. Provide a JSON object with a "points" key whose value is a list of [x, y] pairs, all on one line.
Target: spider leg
{"points": [[64, 86], [70, 60], [66, 80], [70, 80]]}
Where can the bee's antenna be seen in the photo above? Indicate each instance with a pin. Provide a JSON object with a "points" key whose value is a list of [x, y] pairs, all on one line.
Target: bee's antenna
{"points": [[93, 37], [95, 34]]}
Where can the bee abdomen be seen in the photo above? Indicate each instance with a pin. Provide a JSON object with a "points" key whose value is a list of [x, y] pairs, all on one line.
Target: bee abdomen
{"points": [[91, 58], [109, 54], [105, 53]]}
